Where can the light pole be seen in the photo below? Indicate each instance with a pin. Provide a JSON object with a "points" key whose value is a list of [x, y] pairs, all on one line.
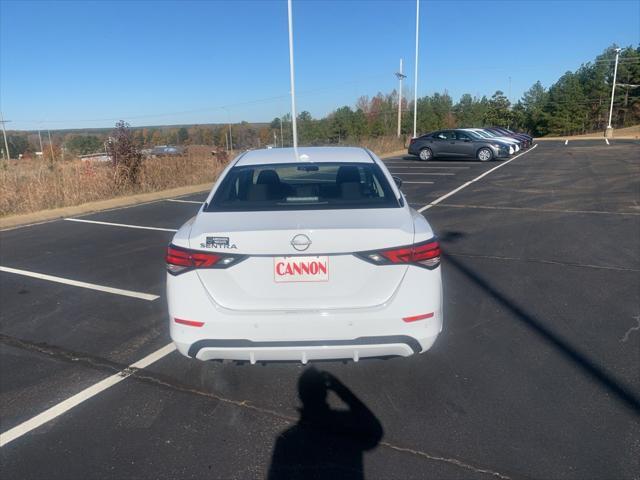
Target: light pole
{"points": [[53, 158], [415, 74], [4, 132], [400, 76], [291, 74], [609, 131], [229, 125], [281, 135], [40, 138]]}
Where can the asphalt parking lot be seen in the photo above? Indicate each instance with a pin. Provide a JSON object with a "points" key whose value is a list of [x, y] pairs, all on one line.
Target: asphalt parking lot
{"points": [[536, 374]]}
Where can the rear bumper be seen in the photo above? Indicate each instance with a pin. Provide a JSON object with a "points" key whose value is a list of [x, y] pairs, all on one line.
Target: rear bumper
{"points": [[305, 351], [305, 335]]}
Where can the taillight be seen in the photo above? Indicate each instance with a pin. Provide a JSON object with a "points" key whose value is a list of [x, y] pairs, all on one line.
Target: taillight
{"points": [[192, 323], [424, 254], [180, 260]]}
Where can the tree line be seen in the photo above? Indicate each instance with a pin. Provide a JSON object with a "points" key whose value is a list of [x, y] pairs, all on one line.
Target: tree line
{"points": [[578, 102]]}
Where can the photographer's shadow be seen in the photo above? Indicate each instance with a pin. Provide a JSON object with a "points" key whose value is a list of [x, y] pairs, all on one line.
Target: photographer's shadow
{"points": [[325, 443]]}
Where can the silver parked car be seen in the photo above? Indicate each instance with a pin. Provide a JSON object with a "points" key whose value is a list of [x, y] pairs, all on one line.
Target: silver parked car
{"points": [[458, 143]]}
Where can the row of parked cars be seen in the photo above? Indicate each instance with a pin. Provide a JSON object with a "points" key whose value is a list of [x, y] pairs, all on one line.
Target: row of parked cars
{"points": [[484, 144]]}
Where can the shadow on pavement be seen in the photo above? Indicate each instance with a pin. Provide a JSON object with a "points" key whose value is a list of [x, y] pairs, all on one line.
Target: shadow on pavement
{"points": [[582, 361], [325, 443]]}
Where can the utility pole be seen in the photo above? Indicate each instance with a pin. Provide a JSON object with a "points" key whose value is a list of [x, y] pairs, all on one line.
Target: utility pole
{"points": [[230, 139], [415, 75], [400, 76], [4, 132], [609, 131], [293, 87], [275, 139], [51, 146], [509, 98], [40, 138], [281, 136]]}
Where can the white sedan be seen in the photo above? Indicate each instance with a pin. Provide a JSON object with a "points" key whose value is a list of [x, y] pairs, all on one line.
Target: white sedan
{"points": [[304, 254]]}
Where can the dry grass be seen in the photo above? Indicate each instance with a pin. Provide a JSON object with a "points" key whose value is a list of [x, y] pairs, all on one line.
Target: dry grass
{"points": [[383, 145], [33, 185]]}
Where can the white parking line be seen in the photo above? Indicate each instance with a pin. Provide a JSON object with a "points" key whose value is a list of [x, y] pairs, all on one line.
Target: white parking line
{"points": [[465, 185], [421, 173], [76, 283], [177, 200], [418, 182], [566, 142], [606, 140], [446, 168], [86, 394], [121, 225]]}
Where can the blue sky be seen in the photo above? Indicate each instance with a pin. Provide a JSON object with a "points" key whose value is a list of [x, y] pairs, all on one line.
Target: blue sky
{"points": [[87, 64]]}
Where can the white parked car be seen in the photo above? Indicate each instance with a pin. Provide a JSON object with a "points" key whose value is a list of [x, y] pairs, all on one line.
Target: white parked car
{"points": [[483, 133], [304, 255]]}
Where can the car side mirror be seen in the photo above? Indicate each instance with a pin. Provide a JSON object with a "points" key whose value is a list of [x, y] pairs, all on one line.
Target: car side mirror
{"points": [[398, 181]]}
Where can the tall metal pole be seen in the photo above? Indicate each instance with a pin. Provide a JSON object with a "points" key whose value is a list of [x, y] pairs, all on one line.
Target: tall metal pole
{"points": [[40, 138], [613, 88], [509, 98], [400, 76], [291, 74], [415, 75], [4, 132], [281, 135], [51, 146], [230, 145]]}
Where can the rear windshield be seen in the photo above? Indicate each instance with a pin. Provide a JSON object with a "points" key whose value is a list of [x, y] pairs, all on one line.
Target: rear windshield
{"points": [[303, 186]]}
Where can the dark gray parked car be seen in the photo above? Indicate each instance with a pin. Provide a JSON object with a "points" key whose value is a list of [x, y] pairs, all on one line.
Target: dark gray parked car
{"points": [[458, 144]]}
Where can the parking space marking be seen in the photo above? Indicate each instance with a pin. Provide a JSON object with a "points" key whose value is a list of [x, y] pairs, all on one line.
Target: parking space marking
{"points": [[445, 168], [465, 185], [468, 163], [76, 283], [177, 200], [566, 142], [82, 220], [86, 394], [606, 140], [530, 209], [422, 173]]}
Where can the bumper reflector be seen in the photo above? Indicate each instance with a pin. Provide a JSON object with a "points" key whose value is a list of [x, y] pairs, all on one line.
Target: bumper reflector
{"points": [[418, 317], [190, 323]]}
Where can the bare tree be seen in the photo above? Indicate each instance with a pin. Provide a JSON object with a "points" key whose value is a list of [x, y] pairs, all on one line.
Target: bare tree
{"points": [[126, 158]]}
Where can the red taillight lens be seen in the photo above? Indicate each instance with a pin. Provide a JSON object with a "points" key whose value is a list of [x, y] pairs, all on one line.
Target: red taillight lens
{"points": [[190, 323], [180, 260], [426, 254]]}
